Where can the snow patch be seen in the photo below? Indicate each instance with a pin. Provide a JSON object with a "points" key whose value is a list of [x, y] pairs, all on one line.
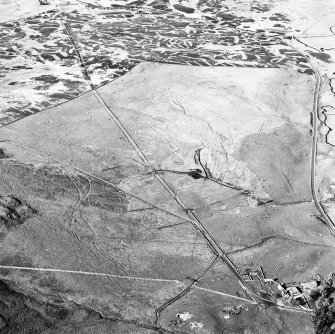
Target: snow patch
{"points": [[185, 316], [197, 325]]}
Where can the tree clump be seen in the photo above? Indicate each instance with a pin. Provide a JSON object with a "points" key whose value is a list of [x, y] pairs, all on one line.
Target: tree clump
{"points": [[323, 297]]}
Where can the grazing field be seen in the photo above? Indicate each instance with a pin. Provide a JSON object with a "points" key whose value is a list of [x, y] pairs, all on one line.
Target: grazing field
{"points": [[166, 166], [101, 193]]}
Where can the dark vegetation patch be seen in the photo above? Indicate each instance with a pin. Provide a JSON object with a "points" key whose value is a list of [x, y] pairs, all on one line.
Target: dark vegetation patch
{"points": [[50, 184], [3, 154], [13, 212], [49, 282], [278, 17], [136, 3], [184, 9], [18, 260], [45, 182], [21, 67], [17, 113], [104, 62], [46, 56], [22, 314], [16, 316], [258, 7], [321, 56], [323, 297], [226, 17], [196, 173], [48, 31], [47, 78], [308, 71], [56, 312], [63, 96], [107, 198], [247, 20], [160, 4]]}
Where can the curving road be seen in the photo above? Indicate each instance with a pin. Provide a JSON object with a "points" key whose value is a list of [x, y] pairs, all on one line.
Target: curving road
{"points": [[316, 105], [316, 102]]}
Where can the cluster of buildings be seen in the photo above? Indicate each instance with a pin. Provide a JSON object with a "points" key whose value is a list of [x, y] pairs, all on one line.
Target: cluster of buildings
{"points": [[298, 293], [294, 293]]}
